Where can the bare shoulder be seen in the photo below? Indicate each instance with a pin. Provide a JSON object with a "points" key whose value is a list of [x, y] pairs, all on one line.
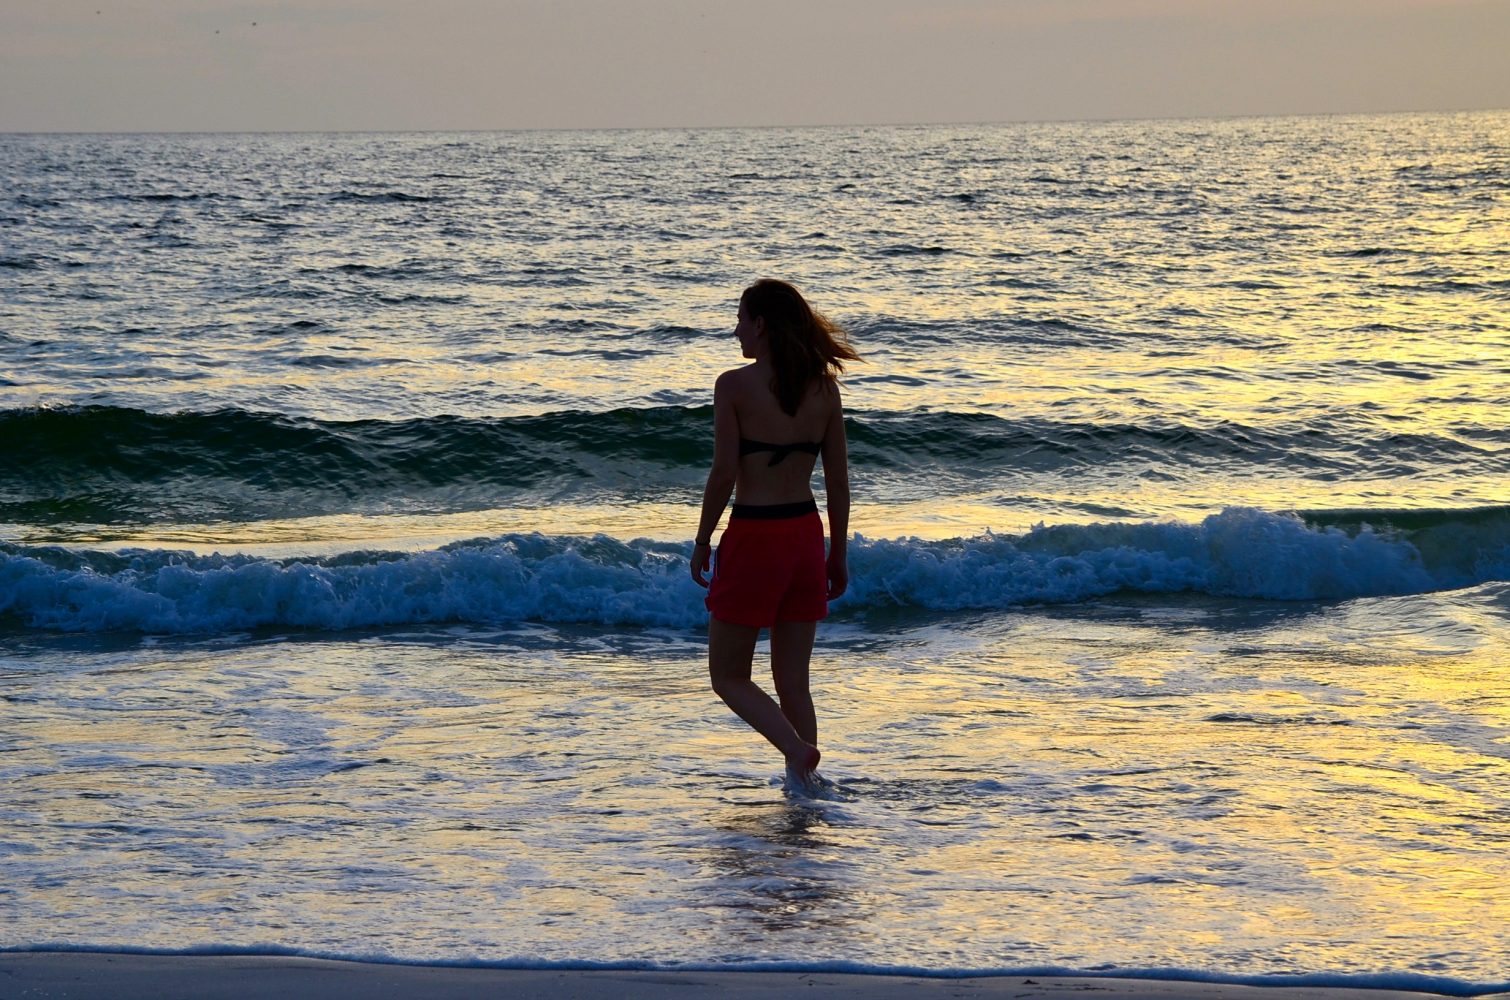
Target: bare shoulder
{"points": [[735, 381], [828, 388]]}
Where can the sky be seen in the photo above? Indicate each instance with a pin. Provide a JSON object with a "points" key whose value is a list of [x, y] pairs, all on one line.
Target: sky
{"points": [[296, 65]]}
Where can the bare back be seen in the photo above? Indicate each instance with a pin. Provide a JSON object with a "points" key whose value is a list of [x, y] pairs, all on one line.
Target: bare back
{"points": [[758, 416]]}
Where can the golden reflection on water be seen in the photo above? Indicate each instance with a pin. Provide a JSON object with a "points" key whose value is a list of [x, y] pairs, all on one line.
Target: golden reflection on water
{"points": [[1269, 782], [776, 863]]}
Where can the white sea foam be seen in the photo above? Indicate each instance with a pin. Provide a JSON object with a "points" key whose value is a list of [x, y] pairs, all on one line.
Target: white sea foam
{"points": [[601, 580], [1237, 553]]}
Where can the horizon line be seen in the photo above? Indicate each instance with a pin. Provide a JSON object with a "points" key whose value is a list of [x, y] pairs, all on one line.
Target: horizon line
{"points": [[961, 123]]}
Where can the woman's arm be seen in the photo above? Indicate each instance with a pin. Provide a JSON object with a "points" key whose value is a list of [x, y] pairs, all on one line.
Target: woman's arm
{"points": [[721, 476], [836, 485]]}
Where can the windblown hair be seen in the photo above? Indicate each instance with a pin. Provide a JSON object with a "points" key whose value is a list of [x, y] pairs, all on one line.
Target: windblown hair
{"points": [[805, 345]]}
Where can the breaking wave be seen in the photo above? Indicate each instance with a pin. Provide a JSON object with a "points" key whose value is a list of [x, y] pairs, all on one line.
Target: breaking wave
{"points": [[610, 582]]}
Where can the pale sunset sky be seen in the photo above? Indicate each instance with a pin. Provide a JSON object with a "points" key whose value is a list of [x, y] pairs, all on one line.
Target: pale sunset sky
{"points": [[249, 65]]}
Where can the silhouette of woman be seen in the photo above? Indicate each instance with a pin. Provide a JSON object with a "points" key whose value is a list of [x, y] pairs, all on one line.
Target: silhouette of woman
{"points": [[772, 419]]}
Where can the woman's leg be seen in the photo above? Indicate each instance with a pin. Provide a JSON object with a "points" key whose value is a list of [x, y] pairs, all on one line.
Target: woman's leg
{"points": [[731, 648], [791, 651]]}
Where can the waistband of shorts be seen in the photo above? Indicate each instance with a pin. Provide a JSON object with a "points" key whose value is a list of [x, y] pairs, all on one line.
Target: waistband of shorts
{"points": [[774, 511]]}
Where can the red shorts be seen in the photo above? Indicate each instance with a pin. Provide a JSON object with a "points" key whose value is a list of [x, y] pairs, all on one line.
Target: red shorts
{"points": [[768, 571]]}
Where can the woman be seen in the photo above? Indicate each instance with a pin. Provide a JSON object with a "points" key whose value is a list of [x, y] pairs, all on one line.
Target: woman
{"points": [[771, 420]]}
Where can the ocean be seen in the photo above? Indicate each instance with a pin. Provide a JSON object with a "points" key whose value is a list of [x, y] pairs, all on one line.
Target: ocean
{"points": [[347, 485]]}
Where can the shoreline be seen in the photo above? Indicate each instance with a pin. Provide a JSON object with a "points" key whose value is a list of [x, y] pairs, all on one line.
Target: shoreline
{"points": [[87, 975]]}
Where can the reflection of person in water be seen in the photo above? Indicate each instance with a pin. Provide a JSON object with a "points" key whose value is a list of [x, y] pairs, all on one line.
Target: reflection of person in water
{"points": [[771, 420]]}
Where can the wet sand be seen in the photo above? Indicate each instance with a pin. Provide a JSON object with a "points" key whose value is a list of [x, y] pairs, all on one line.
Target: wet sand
{"points": [[98, 976]]}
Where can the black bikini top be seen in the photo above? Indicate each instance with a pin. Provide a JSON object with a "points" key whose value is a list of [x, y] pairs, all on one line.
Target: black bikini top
{"points": [[779, 451]]}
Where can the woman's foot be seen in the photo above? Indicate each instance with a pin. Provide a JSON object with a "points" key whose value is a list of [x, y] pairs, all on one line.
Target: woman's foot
{"points": [[802, 778], [806, 760]]}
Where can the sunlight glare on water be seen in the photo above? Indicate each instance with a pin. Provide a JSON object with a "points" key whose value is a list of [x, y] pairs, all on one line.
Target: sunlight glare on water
{"points": [[1289, 799]]}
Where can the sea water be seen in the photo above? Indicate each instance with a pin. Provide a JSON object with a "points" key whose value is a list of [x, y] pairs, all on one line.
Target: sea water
{"points": [[347, 485]]}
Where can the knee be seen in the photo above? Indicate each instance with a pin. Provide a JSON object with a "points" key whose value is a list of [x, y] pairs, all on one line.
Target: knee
{"points": [[722, 683]]}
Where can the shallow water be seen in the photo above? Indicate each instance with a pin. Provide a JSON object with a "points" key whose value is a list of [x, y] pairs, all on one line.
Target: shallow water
{"points": [[1232, 786]]}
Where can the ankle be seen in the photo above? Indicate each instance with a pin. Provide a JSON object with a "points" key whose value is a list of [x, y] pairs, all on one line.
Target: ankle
{"points": [[805, 760]]}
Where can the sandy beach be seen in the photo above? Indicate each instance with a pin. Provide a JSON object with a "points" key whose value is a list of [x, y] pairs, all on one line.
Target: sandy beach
{"points": [[86, 976]]}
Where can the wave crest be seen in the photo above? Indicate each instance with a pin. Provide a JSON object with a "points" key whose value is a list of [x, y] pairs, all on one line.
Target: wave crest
{"points": [[110, 465], [606, 581]]}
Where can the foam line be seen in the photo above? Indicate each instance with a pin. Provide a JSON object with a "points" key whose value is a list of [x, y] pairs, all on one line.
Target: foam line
{"points": [[606, 581]]}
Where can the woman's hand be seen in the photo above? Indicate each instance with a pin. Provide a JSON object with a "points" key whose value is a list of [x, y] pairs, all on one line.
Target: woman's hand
{"points": [[838, 575], [701, 551]]}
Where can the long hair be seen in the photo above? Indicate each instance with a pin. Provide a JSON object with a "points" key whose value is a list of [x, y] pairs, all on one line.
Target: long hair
{"points": [[804, 344]]}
